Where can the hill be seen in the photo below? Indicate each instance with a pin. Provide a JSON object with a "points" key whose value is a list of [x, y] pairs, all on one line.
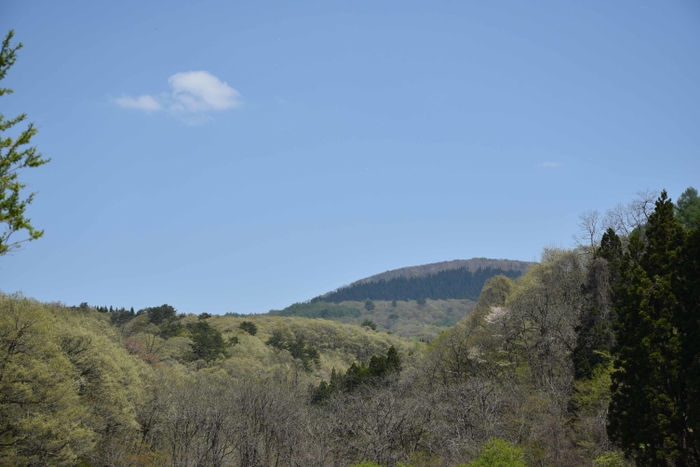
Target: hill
{"points": [[419, 319], [472, 265], [417, 301], [458, 279]]}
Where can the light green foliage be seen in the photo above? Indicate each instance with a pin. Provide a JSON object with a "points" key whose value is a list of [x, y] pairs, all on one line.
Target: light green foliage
{"points": [[15, 156], [339, 344], [403, 318], [67, 384], [499, 453], [41, 418], [611, 459]]}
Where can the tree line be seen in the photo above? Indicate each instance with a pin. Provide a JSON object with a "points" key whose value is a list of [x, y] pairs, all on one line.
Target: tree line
{"points": [[590, 358]]}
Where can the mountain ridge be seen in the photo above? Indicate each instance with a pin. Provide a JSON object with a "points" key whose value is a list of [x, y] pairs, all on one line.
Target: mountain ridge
{"points": [[472, 266]]}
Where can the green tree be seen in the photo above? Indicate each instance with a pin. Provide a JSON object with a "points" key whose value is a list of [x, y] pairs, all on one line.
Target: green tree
{"points": [[369, 305], [369, 324], [207, 342], [499, 453], [15, 156], [653, 413], [249, 327], [688, 208], [158, 314], [42, 421]]}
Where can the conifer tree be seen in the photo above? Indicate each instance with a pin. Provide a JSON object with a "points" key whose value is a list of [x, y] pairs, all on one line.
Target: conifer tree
{"points": [[655, 347]]}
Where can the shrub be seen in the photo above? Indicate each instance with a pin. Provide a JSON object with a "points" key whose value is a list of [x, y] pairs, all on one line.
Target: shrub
{"points": [[499, 453]]}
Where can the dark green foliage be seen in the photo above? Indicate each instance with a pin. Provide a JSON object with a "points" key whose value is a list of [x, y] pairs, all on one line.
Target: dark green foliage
{"points": [[207, 342], [158, 314], [653, 414], [421, 301], [688, 208], [307, 355], [362, 374], [171, 328], [249, 327], [688, 318], [369, 324], [204, 316], [594, 336], [393, 303], [318, 310], [276, 340], [120, 316], [453, 283], [369, 305], [235, 315]]}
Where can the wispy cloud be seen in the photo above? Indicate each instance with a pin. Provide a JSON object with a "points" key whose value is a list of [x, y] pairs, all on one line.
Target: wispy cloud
{"points": [[549, 164], [200, 91], [145, 103], [192, 95]]}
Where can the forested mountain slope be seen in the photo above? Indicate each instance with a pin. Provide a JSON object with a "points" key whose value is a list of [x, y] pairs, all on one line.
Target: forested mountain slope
{"points": [[419, 319], [418, 301], [459, 279], [471, 265]]}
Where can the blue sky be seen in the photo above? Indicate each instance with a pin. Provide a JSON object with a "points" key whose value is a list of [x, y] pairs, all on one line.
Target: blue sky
{"points": [[241, 156]]}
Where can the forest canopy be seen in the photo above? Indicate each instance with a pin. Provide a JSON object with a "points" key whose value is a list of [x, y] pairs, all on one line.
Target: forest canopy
{"points": [[589, 358]]}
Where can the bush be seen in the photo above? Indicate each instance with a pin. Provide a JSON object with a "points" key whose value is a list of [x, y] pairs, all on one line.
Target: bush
{"points": [[499, 453]]}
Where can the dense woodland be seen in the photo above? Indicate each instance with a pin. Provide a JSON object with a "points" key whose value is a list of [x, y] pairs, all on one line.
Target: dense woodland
{"points": [[457, 283], [590, 358]]}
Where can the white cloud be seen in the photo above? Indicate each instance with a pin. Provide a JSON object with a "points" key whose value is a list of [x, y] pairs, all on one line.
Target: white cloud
{"points": [[147, 103], [550, 164], [193, 93], [202, 91]]}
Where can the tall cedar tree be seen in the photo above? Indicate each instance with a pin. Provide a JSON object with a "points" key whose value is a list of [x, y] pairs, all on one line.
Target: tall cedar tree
{"points": [[653, 413]]}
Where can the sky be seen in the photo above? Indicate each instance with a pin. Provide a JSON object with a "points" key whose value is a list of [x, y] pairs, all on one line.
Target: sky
{"points": [[242, 156]]}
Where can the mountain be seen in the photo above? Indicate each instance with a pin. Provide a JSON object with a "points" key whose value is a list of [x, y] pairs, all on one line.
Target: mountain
{"points": [[471, 265], [458, 279], [417, 301]]}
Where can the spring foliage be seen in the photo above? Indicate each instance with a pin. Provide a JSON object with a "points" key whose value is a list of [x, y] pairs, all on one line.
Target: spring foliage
{"points": [[15, 154]]}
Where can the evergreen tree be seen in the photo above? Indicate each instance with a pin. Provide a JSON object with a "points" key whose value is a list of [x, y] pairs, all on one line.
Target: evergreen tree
{"points": [[249, 327], [207, 342], [594, 337], [655, 349], [688, 208]]}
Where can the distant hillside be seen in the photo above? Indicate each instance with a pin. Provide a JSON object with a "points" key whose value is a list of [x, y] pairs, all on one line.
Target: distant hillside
{"points": [[411, 319], [458, 279], [471, 265]]}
